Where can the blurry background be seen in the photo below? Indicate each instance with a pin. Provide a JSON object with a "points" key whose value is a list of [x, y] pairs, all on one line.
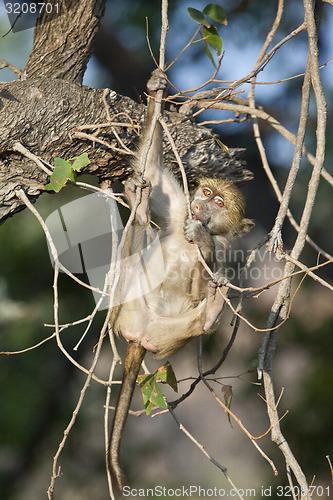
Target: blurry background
{"points": [[39, 388]]}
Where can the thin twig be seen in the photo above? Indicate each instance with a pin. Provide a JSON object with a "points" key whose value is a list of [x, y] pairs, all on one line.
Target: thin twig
{"points": [[83, 390], [297, 153], [232, 415], [210, 458], [22, 149], [183, 50], [23, 197], [259, 67], [117, 270], [281, 305], [330, 465], [180, 164], [212, 370], [17, 71], [93, 139]]}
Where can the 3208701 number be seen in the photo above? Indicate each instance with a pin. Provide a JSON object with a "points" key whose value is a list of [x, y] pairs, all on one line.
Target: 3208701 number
{"points": [[31, 8], [288, 491]]}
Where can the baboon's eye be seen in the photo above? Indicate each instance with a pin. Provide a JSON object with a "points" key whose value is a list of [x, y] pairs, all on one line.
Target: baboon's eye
{"points": [[207, 192], [219, 201]]}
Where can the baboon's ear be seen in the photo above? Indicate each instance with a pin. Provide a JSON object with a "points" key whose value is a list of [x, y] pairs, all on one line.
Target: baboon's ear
{"points": [[246, 226]]}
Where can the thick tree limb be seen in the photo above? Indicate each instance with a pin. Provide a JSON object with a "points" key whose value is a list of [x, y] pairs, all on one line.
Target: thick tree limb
{"points": [[42, 116], [62, 47]]}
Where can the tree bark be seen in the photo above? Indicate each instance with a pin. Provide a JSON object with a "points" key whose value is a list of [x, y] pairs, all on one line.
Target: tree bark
{"points": [[42, 110], [42, 115], [63, 44]]}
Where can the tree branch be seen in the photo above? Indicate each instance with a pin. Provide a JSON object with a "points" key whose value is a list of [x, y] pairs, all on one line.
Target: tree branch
{"points": [[65, 45], [281, 304], [42, 116]]}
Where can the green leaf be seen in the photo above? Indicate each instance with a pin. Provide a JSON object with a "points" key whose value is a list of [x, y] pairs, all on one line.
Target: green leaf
{"points": [[209, 52], [166, 375], [61, 174], [151, 392], [216, 12], [197, 16], [213, 38], [227, 395], [145, 382], [157, 396], [64, 171], [222, 146], [80, 162]]}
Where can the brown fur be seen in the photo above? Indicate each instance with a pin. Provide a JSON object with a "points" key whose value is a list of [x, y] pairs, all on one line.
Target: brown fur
{"points": [[183, 303]]}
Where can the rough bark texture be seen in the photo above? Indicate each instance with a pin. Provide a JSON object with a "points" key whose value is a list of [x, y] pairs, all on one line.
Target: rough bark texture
{"points": [[42, 115], [63, 44], [43, 108]]}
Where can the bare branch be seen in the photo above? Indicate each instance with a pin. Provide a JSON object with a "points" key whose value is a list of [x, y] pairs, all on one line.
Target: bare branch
{"points": [[233, 416], [282, 302], [200, 446], [17, 71], [297, 154]]}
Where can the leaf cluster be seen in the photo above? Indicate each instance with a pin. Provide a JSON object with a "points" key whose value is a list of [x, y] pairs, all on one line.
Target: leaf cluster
{"points": [[212, 12], [64, 171], [151, 391]]}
